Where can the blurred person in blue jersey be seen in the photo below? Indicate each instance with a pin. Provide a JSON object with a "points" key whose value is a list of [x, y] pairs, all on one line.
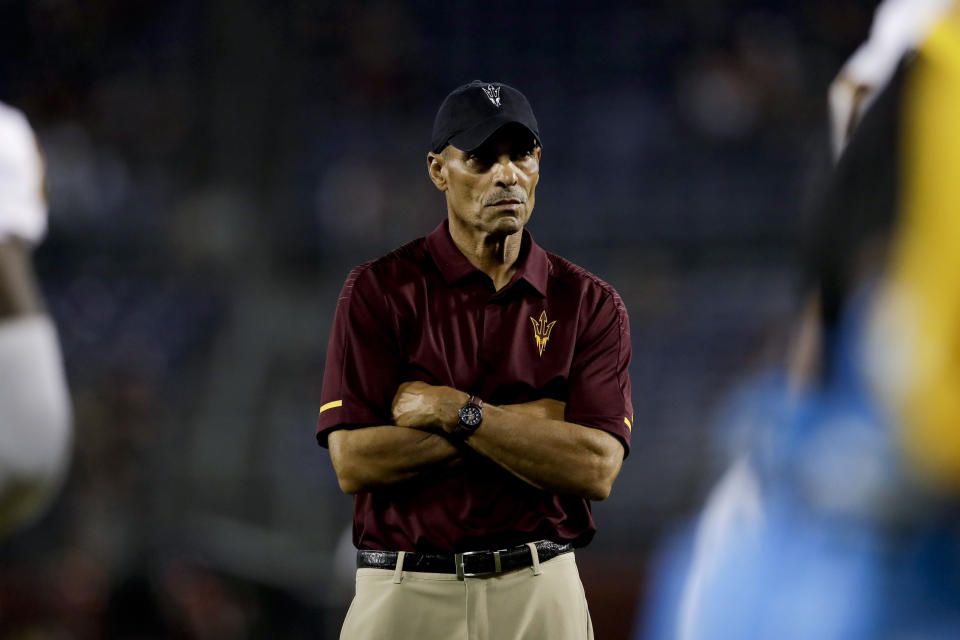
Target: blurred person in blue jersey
{"points": [[35, 425], [838, 518]]}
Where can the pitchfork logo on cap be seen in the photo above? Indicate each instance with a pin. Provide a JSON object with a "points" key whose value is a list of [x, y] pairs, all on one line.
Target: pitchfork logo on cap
{"points": [[493, 93]]}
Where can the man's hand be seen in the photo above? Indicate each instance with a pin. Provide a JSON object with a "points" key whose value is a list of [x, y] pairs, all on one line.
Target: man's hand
{"points": [[423, 406]]}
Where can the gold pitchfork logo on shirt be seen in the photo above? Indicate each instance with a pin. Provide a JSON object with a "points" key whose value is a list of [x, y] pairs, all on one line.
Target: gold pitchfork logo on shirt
{"points": [[541, 330]]}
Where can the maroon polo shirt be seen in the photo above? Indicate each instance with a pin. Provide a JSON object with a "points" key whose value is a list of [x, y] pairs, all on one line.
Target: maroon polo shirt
{"points": [[424, 312]]}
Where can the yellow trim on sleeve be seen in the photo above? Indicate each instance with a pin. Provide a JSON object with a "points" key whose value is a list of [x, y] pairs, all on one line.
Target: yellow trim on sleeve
{"points": [[331, 405], [629, 426]]}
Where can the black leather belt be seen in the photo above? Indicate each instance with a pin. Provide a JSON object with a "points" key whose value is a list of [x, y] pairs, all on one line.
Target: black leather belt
{"points": [[467, 564]]}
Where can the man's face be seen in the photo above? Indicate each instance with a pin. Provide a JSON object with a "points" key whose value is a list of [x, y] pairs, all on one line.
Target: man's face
{"points": [[491, 188]]}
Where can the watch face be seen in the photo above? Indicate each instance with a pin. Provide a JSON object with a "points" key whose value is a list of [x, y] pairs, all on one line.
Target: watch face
{"points": [[470, 415]]}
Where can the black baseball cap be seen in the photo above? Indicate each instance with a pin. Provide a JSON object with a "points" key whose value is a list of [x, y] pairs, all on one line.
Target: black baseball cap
{"points": [[474, 111]]}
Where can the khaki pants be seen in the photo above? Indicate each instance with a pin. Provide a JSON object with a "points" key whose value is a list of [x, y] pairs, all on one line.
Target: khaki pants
{"points": [[545, 601]]}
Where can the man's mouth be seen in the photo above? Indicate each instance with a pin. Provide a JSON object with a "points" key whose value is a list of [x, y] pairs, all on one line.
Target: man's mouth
{"points": [[505, 201]]}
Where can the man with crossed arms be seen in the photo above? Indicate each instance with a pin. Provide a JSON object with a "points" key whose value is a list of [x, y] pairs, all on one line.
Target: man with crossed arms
{"points": [[475, 399]]}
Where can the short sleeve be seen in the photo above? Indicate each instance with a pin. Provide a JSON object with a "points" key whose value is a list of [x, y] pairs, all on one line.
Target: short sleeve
{"points": [[363, 368], [599, 380], [23, 208]]}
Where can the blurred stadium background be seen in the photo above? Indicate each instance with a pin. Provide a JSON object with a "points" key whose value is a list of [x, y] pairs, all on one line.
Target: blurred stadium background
{"points": [[214, 170]]}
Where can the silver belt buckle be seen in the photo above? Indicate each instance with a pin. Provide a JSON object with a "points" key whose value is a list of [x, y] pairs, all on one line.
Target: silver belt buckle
{"points": [[458, 561]]}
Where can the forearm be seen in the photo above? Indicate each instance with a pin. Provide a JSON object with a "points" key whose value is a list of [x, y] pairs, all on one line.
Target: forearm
{"points": [[371, 457], [550, 454]]}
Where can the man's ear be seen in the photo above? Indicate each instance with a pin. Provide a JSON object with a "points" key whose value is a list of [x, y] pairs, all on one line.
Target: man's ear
{"points": [[435, 164]]}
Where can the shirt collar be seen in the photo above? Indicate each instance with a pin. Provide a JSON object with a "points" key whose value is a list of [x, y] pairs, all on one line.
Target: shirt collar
{"points": [[533, 265]]}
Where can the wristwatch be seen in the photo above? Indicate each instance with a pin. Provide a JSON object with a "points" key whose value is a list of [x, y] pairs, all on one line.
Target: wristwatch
{"points": [[471, 415]]}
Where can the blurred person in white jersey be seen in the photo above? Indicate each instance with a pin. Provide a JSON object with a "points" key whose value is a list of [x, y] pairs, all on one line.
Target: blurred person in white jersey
{"points": [[35, 416]]}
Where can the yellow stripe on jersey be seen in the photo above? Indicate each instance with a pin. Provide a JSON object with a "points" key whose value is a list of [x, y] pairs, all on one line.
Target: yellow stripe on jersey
{"points": [[923, 298], [629, 425], [331, 405]]}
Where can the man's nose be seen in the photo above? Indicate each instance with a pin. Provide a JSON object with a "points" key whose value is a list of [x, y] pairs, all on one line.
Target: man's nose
{"points": [[506, 172]]}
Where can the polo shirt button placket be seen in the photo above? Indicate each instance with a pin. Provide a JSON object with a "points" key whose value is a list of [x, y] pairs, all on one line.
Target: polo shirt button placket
{"points": [[490, 348]]}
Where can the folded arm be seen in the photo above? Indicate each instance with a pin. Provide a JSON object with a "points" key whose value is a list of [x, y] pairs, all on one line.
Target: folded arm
{"points": [[554, 455], [371, 457], [538, 447], [368, 458]]}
